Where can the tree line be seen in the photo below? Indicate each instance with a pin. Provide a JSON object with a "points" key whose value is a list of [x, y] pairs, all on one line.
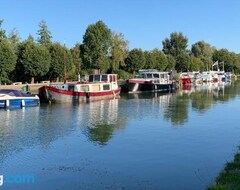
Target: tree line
{"points": [[102, 49]]}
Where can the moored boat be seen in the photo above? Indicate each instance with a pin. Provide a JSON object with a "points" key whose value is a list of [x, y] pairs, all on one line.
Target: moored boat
{"points": [[99, 86], [185, 78], [16, 99], [151, 80]]}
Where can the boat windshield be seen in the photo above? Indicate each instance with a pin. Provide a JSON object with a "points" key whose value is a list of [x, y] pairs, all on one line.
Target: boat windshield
{"points": [[98, 78], [17, 93], [104, 78], [149, 75]]}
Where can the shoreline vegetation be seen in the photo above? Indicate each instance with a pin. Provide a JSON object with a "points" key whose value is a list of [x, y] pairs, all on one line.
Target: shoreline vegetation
{"points": [[41, 59], [229, 178]]}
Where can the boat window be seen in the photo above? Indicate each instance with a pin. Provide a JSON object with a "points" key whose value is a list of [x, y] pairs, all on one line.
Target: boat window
{"points": [[142, 76], [104, 78], [106, 87], [161, 75], [91, 78], [96, 77], [71, 88], [149, 75], [155, 75]]}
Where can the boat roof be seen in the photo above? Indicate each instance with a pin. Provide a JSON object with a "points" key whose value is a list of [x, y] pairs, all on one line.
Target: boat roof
{"points": [[16, 93], [151, 71]]}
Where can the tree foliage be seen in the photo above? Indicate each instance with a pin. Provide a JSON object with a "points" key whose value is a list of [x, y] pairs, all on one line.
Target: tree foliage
{"points": [[157, 60], [204, 51], [33, 61], [97, 41], [135, 60], [176, 46], [196, 64], [171, 62], [76, 57], [44, 34], [118, 52], [182, 63], [7, 61], [2, 31], [104, 50], [14, 39], [226, 59], [61, 58]]}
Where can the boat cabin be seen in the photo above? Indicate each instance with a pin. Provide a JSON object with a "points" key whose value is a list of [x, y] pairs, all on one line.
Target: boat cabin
{"points": [[157, 77], [102, 78]]}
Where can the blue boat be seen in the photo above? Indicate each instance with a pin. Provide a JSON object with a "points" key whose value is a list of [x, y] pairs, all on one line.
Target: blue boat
{"points": [[16, 99]]}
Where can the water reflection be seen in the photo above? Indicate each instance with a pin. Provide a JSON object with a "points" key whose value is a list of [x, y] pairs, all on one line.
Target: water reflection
{"points": [[103, 120], [99, 121], [16, 133]]}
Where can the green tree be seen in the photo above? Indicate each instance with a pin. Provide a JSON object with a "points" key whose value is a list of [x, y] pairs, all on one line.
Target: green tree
{"points": [[135, 60], [7, 61], [183, 63], [97, 41], [44, 34], [204, 51], [33, 61], [14, 39], [61, 62], [171, 62], [118, 51], [176, 46], [196, 64], [148, 61], [158, 60], [225, 59], [76, 57], [2, 31]]}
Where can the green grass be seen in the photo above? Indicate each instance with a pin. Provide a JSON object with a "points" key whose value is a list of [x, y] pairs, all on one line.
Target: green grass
{"points": [[229, 178]]}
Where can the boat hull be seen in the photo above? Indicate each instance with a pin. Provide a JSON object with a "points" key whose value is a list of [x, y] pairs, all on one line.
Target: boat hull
{"points": [[62, 96], [149, 87], [19, 103], [10, 98]]}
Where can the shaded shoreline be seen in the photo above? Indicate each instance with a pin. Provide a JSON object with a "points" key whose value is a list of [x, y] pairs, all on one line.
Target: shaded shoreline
{"points": [[229, 178]]}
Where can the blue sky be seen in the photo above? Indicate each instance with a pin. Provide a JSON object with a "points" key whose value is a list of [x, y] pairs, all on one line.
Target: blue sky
{"points": [[144, 23]]}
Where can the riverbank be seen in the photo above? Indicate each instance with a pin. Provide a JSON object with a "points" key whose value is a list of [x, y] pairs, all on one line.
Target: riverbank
{"points": [[33, 88], [229, 178]]}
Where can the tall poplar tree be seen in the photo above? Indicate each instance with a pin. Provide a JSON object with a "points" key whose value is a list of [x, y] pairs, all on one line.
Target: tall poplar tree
{"points": [[44, 34], [118, 51], [2, 31]]}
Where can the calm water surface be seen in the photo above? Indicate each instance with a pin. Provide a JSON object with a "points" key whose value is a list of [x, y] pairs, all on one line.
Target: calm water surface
{"points": [[140, 141]]}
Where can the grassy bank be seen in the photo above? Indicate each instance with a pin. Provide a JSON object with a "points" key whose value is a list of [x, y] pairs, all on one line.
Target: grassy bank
{"points": [[229, 178]]}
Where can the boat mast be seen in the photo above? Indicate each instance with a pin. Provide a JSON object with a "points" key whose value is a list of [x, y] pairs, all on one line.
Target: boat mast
{"points": [[64, 60]]}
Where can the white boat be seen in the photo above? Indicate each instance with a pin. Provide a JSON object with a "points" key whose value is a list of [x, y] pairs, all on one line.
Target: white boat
{"points": [[151, 80], [99, 86], [16, 99]]}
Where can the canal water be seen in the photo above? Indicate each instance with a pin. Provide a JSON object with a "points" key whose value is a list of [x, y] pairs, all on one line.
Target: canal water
{"points": [[139, 141]]}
